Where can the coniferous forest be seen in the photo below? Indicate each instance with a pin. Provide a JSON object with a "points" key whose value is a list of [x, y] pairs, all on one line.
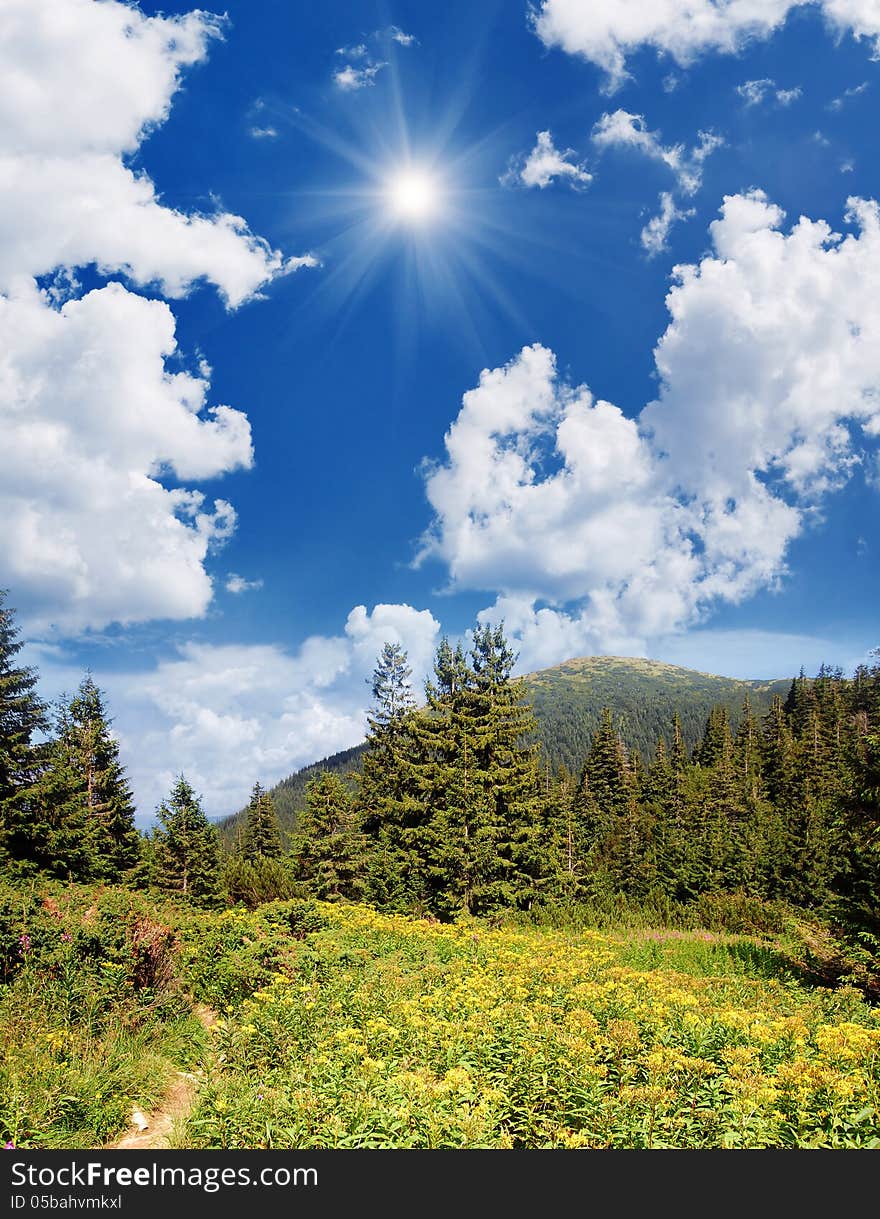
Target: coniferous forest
{"points": [[454, 813], [455, 818]]}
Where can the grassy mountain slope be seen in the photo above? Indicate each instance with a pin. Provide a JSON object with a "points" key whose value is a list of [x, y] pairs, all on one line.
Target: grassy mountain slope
{"points": [[568, 700]]}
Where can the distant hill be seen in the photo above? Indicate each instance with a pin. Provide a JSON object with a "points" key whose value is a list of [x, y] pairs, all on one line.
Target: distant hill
{"points": [[568, 701], [643, 695]]}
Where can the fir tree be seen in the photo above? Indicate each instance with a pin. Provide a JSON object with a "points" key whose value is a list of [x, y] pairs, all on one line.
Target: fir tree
{"points": [[22, 719], [262, 836], [186, 848], [331, 850], [103, 783], [507, 869], [389, 807]]}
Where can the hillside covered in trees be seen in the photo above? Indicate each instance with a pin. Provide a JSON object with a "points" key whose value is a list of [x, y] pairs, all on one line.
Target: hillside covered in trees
{"points": [[567, 701]]}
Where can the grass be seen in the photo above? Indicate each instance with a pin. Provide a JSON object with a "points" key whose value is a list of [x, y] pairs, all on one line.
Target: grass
{"points": [[343, 1027], [389, 1032], [86, 1029]]}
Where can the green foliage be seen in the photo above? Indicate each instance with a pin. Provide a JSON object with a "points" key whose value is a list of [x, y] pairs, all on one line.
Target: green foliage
{"points": [[22, 719], [186, 849], [228, 956], [383, 1032], [331, 848], [262, 836], [567, 703], [87, 801], [449, 797], [91, 1014], [255, 881]]}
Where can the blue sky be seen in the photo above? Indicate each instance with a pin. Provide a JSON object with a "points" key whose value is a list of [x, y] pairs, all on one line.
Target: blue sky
{"points": [[674, 463]]}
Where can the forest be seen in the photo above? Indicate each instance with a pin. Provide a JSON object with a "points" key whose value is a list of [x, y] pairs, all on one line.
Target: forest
{"points": [[763, 837]]}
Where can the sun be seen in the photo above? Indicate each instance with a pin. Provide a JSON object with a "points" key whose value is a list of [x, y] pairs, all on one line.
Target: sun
{"points": [[413, 196]]}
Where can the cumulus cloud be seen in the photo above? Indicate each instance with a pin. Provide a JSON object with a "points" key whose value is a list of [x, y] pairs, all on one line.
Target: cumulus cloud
{"points": [[544, 164], [229, 714], [607, 34], [95, 402], [599, 532], [81, 84], [93, 417]]}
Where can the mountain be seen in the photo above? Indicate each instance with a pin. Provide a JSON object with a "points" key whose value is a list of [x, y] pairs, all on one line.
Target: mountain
{"points": [[568, 700], [643, 695]]}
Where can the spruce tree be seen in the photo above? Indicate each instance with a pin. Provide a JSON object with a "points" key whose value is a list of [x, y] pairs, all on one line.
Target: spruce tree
{"points": [[255, 871], [262, 834], [104, 785], [389, 806], [186, 849], [625, 850], [331, 848], [22, 720], [507, 864], [82, 810]]}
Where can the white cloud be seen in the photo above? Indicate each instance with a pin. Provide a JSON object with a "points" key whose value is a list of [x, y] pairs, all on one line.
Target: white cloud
{"points": [[597, 528], [756, 92], [264, 133], [607, 33], [349, 79], [95, 404], [363, 68], [90, 533], [229, 714], [655, 234], [238, 584], [624, 130], [838, 103], [69, 211], [544, 164], [396, 34], [80, 85]]}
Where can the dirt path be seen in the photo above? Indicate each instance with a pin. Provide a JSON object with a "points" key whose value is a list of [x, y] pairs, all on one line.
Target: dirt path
{"points": [[173, 1109]]}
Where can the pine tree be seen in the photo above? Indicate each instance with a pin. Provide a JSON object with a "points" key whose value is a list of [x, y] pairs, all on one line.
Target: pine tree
{"points": [[389, 806], [856, 904], [566, 837], [508, 868], [331, 850], [186, 848], [104, 785], [22, 719], [255, 871], [625, 850], [262, 835]]}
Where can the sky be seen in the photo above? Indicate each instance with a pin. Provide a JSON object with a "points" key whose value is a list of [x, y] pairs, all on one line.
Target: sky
{"points": [[323, 326]]}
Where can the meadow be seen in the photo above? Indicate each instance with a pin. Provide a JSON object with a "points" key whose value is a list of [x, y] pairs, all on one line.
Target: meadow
{"points": [[338, 1026]]}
